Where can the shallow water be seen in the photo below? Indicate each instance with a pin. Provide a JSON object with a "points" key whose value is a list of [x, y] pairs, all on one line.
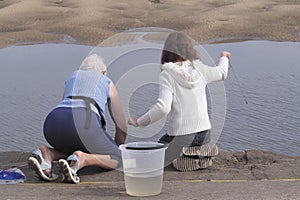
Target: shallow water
{"points": [[267, 74]]}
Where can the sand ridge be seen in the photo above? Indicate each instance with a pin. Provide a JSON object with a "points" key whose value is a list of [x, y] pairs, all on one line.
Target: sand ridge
{"points": [[92, 21]]}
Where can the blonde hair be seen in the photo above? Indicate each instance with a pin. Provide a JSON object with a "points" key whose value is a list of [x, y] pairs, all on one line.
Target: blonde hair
{"points": [[94, 62]]}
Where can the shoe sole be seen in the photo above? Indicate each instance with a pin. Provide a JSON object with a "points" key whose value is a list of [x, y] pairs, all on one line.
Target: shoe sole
{"points": [[56, 170], [66, 170], [206, 150], [189, 164], [35, 166]]}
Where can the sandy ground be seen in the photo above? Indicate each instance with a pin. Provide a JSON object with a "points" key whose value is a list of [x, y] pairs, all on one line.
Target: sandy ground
{"points": [[92, 21], [249, 174], [245, 165]]}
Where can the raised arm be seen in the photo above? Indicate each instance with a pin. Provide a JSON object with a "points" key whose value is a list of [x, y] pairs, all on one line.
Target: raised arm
{"points": [[219, 72], [117, 115]]}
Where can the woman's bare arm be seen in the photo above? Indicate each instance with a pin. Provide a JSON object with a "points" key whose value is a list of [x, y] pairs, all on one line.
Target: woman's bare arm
{"points": [[117, 115]]}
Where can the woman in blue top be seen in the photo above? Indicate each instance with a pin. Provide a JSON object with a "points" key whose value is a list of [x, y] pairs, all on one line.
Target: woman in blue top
{"points": [[76, 126]]}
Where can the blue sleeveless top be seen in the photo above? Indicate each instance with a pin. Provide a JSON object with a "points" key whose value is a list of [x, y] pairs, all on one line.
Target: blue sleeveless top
{"points": [[89, 83]]}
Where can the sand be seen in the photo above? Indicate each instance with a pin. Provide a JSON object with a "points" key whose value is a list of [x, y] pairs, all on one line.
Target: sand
{"points": [[244, 165], [92, 21]]}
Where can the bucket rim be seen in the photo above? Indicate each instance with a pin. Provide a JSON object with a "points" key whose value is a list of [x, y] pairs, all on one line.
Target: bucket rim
{"points": [[134, 146]]}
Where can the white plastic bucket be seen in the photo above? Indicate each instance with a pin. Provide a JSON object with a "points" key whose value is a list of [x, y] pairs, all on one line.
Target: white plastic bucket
{"points": [[143, 165]]}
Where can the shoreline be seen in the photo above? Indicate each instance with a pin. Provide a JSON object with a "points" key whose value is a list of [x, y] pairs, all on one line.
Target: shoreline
{"points": [[244, 166], [90, 23], [21, 152]]}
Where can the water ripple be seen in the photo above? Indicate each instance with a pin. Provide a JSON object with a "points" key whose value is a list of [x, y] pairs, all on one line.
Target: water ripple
{"points": [[269, 121]]}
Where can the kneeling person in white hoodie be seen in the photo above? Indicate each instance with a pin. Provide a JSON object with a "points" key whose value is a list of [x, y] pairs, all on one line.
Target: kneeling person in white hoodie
{"points": [[182, 95]]}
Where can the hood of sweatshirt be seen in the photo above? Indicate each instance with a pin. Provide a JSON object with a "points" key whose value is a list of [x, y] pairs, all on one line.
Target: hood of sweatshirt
{"points": [[183, 72]]}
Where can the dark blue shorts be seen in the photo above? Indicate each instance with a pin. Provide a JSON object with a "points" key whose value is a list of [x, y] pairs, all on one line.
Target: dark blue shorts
{"points": [[64, 130]]}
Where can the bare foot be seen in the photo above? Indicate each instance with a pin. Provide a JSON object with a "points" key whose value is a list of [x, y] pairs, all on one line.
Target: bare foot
{"points": [[81, 159], [50, 155], [47, 158], [46, 154]]}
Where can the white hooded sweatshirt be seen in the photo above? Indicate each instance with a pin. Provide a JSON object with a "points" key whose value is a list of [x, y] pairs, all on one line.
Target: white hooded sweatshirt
{"points": [[182, 94]]}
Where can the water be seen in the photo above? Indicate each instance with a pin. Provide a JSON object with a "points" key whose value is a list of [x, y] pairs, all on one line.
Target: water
{"points": [[32, 83], [143, 186], [269, 75]]}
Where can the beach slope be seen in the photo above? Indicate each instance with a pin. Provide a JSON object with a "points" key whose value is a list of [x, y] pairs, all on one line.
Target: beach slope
{"points": [[90, 22]]}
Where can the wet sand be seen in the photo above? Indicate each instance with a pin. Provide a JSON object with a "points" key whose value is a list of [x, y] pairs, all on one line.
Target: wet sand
{"points": [[90, 22]]}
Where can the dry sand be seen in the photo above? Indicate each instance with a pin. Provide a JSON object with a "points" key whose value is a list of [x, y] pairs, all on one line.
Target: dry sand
{"points": [[92, 21], [251, 174], [245, 165]]}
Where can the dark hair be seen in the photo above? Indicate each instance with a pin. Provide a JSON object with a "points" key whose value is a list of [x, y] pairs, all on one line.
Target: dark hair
{"points": [[178, 47]]}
